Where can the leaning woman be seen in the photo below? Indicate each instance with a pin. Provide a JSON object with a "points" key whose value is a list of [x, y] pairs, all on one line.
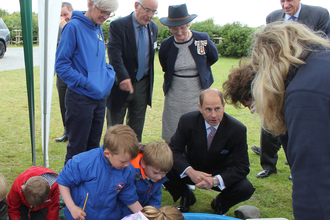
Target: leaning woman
{"points": [[186, 58], [292, 95]]}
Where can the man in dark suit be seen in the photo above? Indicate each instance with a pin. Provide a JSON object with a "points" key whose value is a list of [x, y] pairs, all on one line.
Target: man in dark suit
{"points": [[316, 18], [132, 91], [66, 13], [221, 164]]}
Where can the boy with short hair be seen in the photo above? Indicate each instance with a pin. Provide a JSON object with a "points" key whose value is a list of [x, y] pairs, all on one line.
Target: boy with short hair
{"points": [[34, 195], [106, 174], [3, 202], [152, 164]]}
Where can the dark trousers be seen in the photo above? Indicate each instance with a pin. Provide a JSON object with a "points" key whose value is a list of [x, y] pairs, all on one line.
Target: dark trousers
{"points": [[135, 106], [230, 196], [26, 214], [84, 122], [61, 89], [269, 146]]}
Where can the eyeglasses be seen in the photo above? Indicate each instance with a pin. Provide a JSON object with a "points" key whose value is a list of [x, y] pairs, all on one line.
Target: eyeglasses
{"points": [[105, 13], [176, 29], [148, 10]]}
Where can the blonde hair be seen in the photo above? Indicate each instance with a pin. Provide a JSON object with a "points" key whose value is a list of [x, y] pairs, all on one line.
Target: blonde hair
{"points": [[277, 48], [121, 139], [36, 191], [163, 213], [158, 155], [3, 187]]}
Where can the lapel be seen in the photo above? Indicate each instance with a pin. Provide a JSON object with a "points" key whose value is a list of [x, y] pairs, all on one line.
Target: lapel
{"points": [[200, 140], [130, 35], [304, 15], [219, 139]]}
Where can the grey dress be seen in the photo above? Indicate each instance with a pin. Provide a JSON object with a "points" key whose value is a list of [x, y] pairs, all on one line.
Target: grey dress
{"points": [[182, 96]]}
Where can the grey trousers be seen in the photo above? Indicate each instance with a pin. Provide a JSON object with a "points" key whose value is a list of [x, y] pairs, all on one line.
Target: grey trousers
{"points": [[134, 108]]}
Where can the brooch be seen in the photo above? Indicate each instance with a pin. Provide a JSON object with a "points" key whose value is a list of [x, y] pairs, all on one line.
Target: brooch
{"points": [[200, 44]]}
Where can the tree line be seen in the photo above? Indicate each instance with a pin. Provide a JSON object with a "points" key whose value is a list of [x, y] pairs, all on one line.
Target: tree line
{"points": [[232, 40]]}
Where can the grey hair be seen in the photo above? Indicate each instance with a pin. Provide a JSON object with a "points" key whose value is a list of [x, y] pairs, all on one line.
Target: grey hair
{"points": [[107, 5], [68, 5]]}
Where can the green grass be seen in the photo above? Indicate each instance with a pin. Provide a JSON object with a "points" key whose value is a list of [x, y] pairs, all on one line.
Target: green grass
{"points": [[272, 195]]}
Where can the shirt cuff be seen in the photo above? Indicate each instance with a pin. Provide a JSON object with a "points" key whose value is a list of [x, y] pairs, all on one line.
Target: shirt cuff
{"points": [[183, 174], [221, 183]]}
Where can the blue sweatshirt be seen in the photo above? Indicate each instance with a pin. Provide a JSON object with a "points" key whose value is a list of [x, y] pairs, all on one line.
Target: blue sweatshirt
{"points": [[80, 58]]}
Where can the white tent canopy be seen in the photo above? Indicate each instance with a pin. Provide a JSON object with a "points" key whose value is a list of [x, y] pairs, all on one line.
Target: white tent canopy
{"points": [[49, 18]]}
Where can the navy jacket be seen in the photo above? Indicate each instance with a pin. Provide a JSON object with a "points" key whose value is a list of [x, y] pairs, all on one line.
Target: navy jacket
{"points": [[307, 143], [122, 55], [168, 53]]}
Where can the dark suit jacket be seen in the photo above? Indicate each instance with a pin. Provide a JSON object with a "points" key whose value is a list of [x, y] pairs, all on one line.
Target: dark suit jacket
{"points": [[227, 156], [168, 53], [313, 16], [122, 55]]}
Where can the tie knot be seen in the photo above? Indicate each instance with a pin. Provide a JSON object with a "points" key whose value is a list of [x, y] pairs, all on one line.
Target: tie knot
{"points": [[212, 129], [141, 27], [293, 18]]}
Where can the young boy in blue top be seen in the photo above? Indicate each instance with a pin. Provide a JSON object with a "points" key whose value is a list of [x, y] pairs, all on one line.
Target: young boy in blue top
{"points": [[80, 63], [152, 164], [106, 174]]}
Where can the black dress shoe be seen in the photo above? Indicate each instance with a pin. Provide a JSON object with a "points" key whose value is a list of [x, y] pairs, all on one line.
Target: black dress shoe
{"points": [[63, 138], [256, 149], [217, 207], [266, 173], [186, 202]]}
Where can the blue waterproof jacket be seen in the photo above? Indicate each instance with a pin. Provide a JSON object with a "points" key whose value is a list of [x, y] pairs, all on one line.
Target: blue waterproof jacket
{"points": [[149, 193], [90, 172], [80, 58]]}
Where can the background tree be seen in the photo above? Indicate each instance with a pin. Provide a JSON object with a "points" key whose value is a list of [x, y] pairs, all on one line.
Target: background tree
{"points": [[207, 26], [237, 40]]}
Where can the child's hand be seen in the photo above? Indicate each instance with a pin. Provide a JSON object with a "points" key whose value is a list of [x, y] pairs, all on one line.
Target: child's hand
{"points": [[77, 213]]}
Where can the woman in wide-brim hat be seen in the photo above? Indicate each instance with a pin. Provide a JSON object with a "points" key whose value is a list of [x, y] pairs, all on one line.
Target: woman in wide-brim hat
{"points": [[185, 57]]}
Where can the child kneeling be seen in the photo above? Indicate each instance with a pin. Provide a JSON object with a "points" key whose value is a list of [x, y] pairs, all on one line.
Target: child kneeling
{"points": [[34, 195], [106, 174], [151, 165]]}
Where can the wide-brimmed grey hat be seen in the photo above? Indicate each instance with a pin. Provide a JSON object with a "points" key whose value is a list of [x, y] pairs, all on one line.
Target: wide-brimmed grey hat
{"points": [[177, 16]]}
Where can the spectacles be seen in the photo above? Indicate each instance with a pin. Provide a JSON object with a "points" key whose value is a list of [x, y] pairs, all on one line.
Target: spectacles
{"points": [[105, 13], [148, 10], [176, 29]]}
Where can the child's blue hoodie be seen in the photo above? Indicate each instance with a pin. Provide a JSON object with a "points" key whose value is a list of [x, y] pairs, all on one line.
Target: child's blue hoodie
{"points": [[80, 58]]}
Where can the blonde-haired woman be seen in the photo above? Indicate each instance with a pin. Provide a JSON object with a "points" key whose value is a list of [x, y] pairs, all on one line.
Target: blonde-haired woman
{"points": [[151, 213], [292, 95]]}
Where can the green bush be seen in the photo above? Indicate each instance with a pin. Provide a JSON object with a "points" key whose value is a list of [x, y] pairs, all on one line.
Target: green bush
{"points": [[237, 40]]}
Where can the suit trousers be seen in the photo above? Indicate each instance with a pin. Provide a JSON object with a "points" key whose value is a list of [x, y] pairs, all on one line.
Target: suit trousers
{"points": [[270, 145], [61, 89], [84, 121], [230, 196], [135, 106]]}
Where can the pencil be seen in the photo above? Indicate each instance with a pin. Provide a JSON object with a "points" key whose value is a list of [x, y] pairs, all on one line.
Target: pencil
{"points": [[85, 202]]}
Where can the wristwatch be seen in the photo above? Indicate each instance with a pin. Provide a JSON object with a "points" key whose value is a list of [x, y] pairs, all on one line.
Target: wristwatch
{"points": [[215, 181]]}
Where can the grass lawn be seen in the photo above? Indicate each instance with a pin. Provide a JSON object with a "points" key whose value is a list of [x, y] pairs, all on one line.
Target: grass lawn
{"points": [[272, 195]]}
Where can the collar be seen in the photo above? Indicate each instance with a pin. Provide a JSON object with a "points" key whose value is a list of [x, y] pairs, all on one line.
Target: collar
{"points": [[287, 17], [136, 24], [207, 125]]}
